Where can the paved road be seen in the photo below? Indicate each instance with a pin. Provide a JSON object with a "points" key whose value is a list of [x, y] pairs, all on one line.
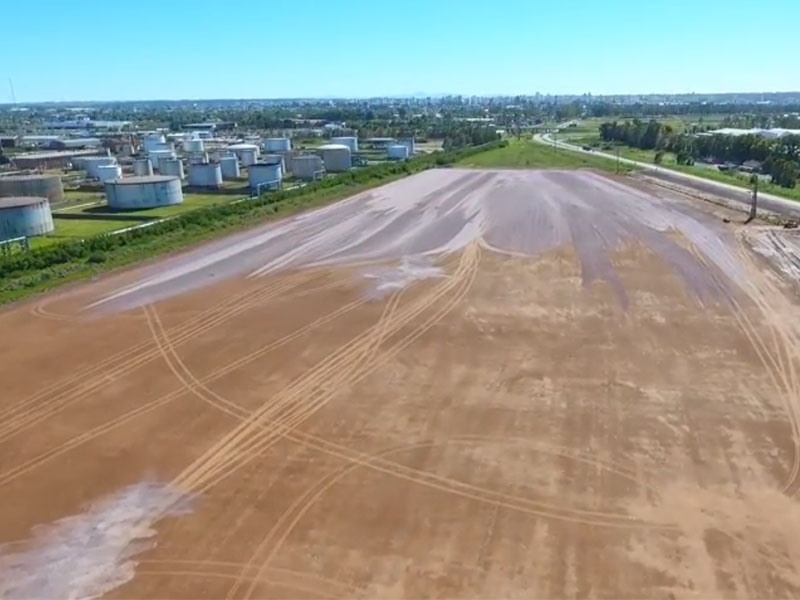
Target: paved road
{"points": [[731, 192]]}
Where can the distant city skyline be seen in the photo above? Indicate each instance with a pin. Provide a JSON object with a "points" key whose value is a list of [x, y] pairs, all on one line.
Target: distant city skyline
{"points": [[790, 96], [100, 51]]}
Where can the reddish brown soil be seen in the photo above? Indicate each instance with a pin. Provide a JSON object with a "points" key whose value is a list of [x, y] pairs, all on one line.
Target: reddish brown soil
{"points": [[505, 430]]}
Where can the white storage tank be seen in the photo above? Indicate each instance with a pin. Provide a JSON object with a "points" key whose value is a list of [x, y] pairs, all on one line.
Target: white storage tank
{"points": [[281, 144], [408, 143], [132, 193], [152, 141], [91, 164], [261, 176], [346, 140], [307, 167], [193, 146], [288, 157], [274, 159], [24, 216], [336, 157], [207, 176], [172, 167], [109, 172], [247, 153], [397, 152], [142, 167], [199, 157], [248, 157], [229, 166], [157, 155]]}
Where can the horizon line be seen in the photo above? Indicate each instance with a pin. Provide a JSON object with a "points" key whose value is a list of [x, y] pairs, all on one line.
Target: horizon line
{"points": [[415, 95]]}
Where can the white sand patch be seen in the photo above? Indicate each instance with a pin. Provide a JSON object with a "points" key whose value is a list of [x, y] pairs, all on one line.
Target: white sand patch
{"points": [[89, 554], [522, 213], [389, 279]]}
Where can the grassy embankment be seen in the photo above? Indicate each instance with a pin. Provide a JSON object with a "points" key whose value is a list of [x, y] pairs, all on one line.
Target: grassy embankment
{"points": [[526, 153], [86, 214], [46, 267]]}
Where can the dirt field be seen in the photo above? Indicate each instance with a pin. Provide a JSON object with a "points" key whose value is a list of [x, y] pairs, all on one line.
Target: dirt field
{"points": [[462, 385]]}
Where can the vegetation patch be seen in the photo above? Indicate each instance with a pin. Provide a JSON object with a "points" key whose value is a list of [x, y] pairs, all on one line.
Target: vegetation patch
{"points": [[779, 158], [527, 154]]}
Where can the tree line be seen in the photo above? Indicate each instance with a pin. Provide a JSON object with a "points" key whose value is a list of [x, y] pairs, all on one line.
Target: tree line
{"points": [[779, 158]]}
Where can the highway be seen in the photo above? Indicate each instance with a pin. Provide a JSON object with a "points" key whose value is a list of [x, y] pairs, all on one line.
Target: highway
{"points": [[770, 202]]}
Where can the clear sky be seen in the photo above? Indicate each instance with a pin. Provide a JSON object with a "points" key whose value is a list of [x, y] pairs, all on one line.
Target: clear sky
{"points": [[178, 49]]}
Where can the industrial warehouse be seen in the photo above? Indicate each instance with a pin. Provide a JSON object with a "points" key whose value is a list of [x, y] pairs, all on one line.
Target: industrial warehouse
{"points": [[134, 171]]}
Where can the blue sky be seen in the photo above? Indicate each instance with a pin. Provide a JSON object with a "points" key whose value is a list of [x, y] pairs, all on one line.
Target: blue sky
{"points": [[176, 49]]}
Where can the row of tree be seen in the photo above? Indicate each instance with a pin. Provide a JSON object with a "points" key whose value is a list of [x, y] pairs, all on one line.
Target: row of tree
{"points": [[762, 120], [780, 158], [474, 136]]}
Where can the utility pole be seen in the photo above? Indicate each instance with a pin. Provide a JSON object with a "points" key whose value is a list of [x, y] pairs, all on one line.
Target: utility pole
{"points": [[617, 169], [754, 200]]}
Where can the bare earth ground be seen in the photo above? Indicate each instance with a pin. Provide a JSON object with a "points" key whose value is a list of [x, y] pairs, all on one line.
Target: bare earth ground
{"points": [[464, 384]]}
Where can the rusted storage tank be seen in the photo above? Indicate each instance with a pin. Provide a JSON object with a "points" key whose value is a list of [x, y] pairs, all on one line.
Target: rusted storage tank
{"points": [[47, 186]]}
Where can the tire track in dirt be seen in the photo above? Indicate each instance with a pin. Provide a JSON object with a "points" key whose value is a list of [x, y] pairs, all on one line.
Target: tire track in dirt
{"points": [[299, 580], [240, 299], [381, 330], [123, 419], [379, 463], [315, 591], [404, 343], [329, 365], [294, 514], [42, 411], [185, 563], [246, 441], [770, 365], [192, 383], [787, 342], [40, 310], [359, 459], [125, 354], [779, 357]]}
